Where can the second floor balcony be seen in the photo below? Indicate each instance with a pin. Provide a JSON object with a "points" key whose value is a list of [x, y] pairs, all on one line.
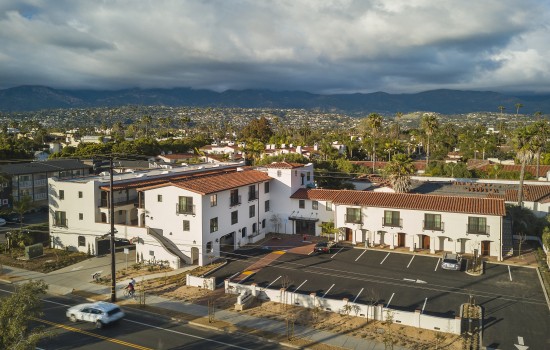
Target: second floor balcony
{"points": [[478, 229], [392, 222], [352, 219], [234, 200], [59, 222], [433, 226], [118, 203], [186, 209]]}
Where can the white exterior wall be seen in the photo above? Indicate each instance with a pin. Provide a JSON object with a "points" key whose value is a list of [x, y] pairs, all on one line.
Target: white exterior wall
{"points": [[321, 214]]}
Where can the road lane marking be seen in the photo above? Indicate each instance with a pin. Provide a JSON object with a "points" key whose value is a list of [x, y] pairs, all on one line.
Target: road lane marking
{"points": [[510, 273], [361, 255], [276, 279], [411, 261], [76, 330], [337, 252], [300, 286], [328, 291], [437, 265], [381, 262], [358, 294], [389, 301], [424, 306], [409, 280], [188, 335], [521, 344]]}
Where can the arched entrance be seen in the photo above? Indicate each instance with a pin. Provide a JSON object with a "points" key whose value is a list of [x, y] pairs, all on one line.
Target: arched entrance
{"points": [[194, 255]]}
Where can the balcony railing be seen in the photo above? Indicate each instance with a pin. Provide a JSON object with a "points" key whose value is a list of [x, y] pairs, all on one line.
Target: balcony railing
{"points": [[185, 209], [60, 222], [105, 202], [352, 219], [41, 182], [252, 196], [25, 184], [234, 200], [477, 230], [40, 196], [392, 222], [433, 226]]}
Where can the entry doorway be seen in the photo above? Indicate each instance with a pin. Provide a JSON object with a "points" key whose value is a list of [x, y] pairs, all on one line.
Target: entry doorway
{"points": [[349, 234], [401, 239], [485, 248], [425, 242], [305, 227]]}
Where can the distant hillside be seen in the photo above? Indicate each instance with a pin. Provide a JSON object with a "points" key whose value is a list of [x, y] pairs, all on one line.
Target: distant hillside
{"points": [[29, 98]]}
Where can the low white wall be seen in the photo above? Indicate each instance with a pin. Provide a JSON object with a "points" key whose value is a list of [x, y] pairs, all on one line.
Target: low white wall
{"points": [[373, 312], [201, 282]]}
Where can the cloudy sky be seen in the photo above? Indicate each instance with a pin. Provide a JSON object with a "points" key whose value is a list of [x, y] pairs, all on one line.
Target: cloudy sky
{"points": [[322, 46]]}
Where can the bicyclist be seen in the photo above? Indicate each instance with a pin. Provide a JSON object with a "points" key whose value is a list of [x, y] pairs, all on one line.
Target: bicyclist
{"points": [[130, 288], [133, 282]]}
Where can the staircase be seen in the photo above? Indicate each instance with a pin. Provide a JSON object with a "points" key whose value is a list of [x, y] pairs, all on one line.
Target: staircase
{"points": [[168, 245], [507, 240]]}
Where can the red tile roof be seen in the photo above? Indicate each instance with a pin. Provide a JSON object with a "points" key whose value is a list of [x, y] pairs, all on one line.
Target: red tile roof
{"points": [[470, 205], [284, 165]]}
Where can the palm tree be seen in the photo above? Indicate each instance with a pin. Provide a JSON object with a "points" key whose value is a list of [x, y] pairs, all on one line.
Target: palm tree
{"points": [[398, 117], [146, 121], [21, 206], [428, 124], [501, 109], [518, 106], [524, 153], [540, 129], [374, 121], [399, 171]]}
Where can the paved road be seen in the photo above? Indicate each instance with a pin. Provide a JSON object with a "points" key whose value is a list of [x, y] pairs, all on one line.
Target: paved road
{"points": [[515, 309], [138, 330]]}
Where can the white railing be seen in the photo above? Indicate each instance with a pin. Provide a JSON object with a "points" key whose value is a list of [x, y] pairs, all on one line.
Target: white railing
{"points": [[40, 196], [42, 182]]}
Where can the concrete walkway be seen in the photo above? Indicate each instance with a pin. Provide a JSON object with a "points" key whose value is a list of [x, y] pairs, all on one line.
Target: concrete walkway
{"points": [[78, 278]]}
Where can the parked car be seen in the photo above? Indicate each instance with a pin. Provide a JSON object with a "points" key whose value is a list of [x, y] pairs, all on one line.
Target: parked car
{"points": [[324, 247], [101, 313], [2, 222], [13, 217], [451, 261]]}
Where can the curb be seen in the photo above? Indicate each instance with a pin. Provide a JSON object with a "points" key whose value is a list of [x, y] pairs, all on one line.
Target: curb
{"points": [[543, 289]]}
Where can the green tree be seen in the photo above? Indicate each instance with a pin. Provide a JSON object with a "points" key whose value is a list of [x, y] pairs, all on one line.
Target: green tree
{"points": [[17, 311], [258, 129], [429, 125], [518, 106], [524, 148], [374, 124], [22, 206], [399, 171], [146, 122]]}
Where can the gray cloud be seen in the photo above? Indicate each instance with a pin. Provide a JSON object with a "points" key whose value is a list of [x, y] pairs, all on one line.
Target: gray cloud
{"points": [[318, 46]]}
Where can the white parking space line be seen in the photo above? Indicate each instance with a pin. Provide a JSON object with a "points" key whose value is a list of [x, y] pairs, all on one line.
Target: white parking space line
{"points": [[411, 261], [276, 279], [361, 255], [437, 265], [300, 286], [389, 301], [510, 273], [381, 262], [310, 253], [358, 294], [337, 252], [328, 290], [424, 306]]}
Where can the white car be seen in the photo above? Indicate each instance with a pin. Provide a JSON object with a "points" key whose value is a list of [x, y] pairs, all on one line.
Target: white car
{"points": [[100, 313], [451, 261]]}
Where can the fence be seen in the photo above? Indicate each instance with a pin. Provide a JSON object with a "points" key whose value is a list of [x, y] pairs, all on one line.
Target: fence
{"points": [[373, 312], [206, 283]]}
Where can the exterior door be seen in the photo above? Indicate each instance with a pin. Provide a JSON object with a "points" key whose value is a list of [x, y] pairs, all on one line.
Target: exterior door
{"points": [[425, 242], [401, 239], [349, 234], [485, 248]]}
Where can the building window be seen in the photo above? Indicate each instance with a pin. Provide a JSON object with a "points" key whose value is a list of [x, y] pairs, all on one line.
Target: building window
{"points": [[329, 206], [266, 205], [252, 193], [80, 195], [308, 178], [302, 204], [80, 216], [263, 223], [254, 228], [477, 225], [209, 248], [251, 211], [213, 225], [81, 241], [433, 222], [391, 218], [234, 198], [213, 200], [159, 197], [61, 194], [279, 173], [151, 253], [353, 215], [234, 217], [186, 225], [243, 232], [185, 205], [60, 219], [314, 205], [266, 187]]}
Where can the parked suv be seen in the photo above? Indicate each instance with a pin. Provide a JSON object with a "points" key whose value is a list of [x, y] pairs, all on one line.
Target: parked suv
{"points": [[100, 313], [451, 261]]}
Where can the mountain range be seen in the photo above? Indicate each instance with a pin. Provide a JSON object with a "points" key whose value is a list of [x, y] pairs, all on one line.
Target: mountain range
{"points": [[444, 101]]}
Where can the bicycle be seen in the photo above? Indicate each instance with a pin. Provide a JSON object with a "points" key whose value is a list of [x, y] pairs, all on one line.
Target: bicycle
{"points": [[128, 293]]}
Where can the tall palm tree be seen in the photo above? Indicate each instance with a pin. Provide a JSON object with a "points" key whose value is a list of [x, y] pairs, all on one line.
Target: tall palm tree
{"points": [[523, 145], [518, 106], [398, 117], [399, 171], [540, 130], [146, 121], [374, 121], [501, 109], [428, 124]]}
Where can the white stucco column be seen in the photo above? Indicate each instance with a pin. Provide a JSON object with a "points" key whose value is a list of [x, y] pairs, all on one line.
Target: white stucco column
{"points": [[432, 244], [392, 242]]}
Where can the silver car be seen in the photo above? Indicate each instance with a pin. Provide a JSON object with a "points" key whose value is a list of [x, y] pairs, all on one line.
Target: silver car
{"points": [[101, 313], [451, 261]]}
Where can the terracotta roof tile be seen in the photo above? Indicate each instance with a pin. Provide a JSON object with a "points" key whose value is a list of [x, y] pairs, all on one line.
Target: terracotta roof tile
{"points": [[482, 206]]}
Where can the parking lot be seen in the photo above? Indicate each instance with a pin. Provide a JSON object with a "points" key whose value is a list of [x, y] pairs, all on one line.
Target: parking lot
{"points": [[515, 309]]}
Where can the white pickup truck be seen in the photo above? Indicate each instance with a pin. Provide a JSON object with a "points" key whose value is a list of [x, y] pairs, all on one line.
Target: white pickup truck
{"points": [[451, 261]]}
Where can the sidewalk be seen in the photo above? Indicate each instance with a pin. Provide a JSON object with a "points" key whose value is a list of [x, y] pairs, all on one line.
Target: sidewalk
{"points": [[65, 283]]}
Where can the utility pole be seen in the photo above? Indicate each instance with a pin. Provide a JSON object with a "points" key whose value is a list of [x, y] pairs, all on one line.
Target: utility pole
{"points": [[112, 222]]}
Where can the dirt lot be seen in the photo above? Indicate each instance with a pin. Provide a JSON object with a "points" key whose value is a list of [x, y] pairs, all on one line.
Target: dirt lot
{"points": [[52, 259]]}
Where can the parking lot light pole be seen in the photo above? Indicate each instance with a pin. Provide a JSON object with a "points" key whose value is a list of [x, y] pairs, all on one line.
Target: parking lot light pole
{"points": [[112, 222]]}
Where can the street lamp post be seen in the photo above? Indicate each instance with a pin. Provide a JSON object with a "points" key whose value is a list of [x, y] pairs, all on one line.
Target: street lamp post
{"points": [[112, 222]]}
